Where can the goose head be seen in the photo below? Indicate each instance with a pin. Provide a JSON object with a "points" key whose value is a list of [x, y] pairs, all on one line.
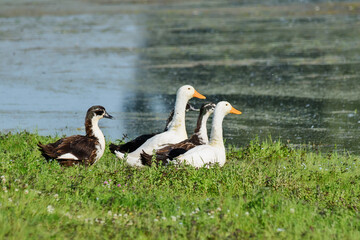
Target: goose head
{"points": [[97, 112], [226, 108], [189, 92], [205, 111]]}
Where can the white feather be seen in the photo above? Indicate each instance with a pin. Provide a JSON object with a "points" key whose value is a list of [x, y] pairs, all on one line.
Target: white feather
{"points": [[100, 136], [68, 156], [119, 154]]}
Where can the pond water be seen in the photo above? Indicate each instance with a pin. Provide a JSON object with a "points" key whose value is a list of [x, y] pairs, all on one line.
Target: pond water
{"points": [[292, 67]]}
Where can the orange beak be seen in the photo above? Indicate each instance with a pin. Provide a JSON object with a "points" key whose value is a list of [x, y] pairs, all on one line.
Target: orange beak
{"points": [[234, 111], [198, 95]]}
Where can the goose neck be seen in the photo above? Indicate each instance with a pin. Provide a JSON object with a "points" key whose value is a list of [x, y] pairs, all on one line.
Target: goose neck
{"points": [[216, 137], [178, 122], [93, 130]]}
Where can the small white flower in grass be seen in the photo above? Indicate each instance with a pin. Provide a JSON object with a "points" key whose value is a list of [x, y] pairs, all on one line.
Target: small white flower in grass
{"points": [[292, 210], [197, 210], [156, 220], [3, 179], [208, 199], [173, 218], [212, 216], [125, 215], [264, 211], [115, 216], [218, 209], [50, 209], [10, 200], [56, 196], [109, 213], [16, 190], [236, 215], [180, 223], [26, 191], [247, 213], [163, 218], [26, 185], [4, 189], [280, 229], [320, 168], [228, 210]]}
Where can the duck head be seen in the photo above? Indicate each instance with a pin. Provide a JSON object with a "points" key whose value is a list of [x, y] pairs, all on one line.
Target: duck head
{"points": [[226, 108], [207, 108], [189, 92], [97, 112]]}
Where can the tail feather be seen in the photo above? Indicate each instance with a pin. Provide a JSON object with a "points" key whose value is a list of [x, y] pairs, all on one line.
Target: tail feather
{"points": [[146, 159], [46, 151], [114, 148], [119, 154]]}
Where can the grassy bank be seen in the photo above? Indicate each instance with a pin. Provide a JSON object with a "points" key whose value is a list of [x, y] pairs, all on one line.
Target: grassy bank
{"points": [[265, 190]]}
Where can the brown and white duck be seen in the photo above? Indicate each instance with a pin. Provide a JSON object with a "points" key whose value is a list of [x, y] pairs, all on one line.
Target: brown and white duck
{"points": [[175, 133], [80, 149], [171, 151], [140, 140]]}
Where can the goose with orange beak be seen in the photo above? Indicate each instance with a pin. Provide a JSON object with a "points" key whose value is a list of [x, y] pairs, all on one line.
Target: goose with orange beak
{"points": [[214, 152], [175, 133]]}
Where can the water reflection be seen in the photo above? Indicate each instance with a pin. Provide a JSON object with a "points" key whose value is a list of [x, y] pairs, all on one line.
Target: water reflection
{"points": [[293, 69]]}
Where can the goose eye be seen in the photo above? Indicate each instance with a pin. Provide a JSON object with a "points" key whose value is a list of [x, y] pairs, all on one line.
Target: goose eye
{"points": [[99, 112], [188, 88], [227, 104]]}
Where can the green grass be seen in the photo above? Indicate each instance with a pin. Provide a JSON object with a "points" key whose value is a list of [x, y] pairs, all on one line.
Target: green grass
{"points": [[265, 191]]}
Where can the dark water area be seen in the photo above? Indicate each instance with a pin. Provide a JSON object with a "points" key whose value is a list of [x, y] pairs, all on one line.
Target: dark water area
{"points": [[292, 67]]}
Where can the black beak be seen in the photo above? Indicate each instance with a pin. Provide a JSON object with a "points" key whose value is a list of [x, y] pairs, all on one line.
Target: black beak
{"points": [[106, 115]]}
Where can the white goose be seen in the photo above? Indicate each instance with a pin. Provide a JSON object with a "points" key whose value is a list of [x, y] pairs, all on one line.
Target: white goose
{"points": [[176, 132], [214, 152]]}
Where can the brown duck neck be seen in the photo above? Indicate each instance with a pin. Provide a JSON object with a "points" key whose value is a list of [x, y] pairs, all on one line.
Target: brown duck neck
{"points": [[89, 128]]}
